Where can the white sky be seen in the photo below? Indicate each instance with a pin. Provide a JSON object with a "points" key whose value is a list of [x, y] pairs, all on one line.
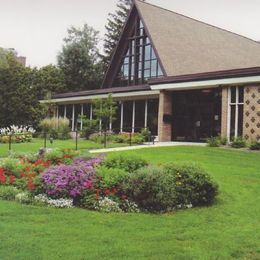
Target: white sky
{"points": [[35, 28]]}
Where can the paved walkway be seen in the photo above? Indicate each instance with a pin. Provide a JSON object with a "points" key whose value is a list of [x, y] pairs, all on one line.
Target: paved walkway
{"points": [[148, 145]]}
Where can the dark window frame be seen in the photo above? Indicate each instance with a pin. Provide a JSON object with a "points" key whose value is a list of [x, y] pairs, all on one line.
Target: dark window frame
{"points": [[140, 65]]}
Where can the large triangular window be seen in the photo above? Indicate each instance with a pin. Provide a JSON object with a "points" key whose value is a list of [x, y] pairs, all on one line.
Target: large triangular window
{"points": [[139, 62]]}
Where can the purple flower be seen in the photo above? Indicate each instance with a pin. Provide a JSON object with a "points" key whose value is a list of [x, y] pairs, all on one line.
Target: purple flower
{"points": [[69, 181]]}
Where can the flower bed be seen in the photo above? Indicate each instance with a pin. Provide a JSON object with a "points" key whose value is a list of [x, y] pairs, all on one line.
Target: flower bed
{"points": [[16, 134], [121, 184]]}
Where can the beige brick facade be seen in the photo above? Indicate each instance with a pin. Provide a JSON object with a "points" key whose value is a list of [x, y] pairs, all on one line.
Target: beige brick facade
{"points": [[251, 126], [224, 112], [165, 108]]}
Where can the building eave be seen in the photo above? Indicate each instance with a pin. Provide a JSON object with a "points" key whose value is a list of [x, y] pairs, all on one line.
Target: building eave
{"points": [[208, 79], [117, 96]]}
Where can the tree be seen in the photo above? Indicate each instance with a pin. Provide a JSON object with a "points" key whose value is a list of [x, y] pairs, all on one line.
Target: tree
{"points": [[49, 80], [18, 95], [105, 110], [79, 59], [114, 27], [3, 58]]}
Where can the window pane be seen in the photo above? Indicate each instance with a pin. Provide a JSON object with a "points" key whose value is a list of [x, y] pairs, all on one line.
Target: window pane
{"points": [[69, 113], [61, 109], [153, 55], [77, 116], [233, 95], [241, 95], [147, 74], [126, 71], [152, 117], [128, 115], [139, 115], [240, 119], [86, 110], [147, 52], [147, 65], [154, 68], [232, 121], [116, 123], [160, 73]]}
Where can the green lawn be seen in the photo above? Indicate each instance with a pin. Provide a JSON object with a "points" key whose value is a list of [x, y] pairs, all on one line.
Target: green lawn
{"points": [[228, 230], [36, 144]]}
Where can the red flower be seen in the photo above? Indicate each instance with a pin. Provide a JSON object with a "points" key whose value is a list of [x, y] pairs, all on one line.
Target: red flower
{"points": [[124, 197], [27, 169], [2, 178], [114, 191], [11, 179], [107, 191], [30, 185]]}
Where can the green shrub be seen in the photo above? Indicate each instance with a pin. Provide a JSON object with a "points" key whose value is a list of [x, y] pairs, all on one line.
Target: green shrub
{"points": [[87, 200], [110, 177], [127, 163], [163, 189], [138, 139], [54, 156], [122, 138], [151, 189], [90, 126], [145, 133], [193, 184], [255, 146], [12, 166], [223, 140], [213, 142], [8, 192], [238, 142]]}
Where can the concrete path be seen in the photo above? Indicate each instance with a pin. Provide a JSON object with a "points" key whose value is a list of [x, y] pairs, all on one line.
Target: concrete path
{"points": [[148, 145]]}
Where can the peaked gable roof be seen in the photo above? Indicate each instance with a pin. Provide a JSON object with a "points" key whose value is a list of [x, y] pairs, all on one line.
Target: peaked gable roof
{"points": [[188, 46]]}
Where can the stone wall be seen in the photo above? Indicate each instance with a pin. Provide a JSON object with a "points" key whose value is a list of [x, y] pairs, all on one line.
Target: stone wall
{"points": [[251, 128]]}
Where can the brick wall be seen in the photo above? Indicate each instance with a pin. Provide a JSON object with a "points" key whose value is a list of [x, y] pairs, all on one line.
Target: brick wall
{"points": [[165, 107], [224, 111]]}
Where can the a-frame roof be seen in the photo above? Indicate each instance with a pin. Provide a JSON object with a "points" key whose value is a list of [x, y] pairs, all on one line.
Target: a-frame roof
{"points": [[187, 46]]}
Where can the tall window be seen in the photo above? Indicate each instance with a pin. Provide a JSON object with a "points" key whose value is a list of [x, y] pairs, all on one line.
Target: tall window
{"points": [[236, 108], [139, 62]]}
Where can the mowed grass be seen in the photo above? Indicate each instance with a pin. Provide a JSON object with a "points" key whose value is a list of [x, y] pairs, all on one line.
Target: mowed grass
{"points": [[38, 143], [230, 229]]}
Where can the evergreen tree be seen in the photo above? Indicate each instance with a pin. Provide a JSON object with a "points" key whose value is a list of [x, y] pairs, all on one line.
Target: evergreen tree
{"points": [[114, 27]]}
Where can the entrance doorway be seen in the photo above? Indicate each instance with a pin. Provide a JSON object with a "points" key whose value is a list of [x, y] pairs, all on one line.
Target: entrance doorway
{"points": [[196, 114]]}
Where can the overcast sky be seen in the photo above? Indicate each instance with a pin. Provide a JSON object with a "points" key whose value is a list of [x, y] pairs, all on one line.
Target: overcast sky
{"points": [[35, 28]]}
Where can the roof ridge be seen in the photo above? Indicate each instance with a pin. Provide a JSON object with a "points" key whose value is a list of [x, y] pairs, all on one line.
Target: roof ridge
{"points": [[196, 20]]}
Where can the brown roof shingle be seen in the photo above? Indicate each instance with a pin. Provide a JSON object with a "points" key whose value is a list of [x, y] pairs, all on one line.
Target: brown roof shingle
{"points": [[188, 46]]}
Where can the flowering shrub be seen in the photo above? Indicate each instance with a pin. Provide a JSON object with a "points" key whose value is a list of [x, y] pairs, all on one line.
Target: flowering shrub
{"points": [[115, 184], [17, 134], [23, 198], [68, 181], [169, 187], [108, 205], [55, 203]]}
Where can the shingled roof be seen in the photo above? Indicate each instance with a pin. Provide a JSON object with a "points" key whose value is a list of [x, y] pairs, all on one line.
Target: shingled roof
{"points": [[187, 46]]}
